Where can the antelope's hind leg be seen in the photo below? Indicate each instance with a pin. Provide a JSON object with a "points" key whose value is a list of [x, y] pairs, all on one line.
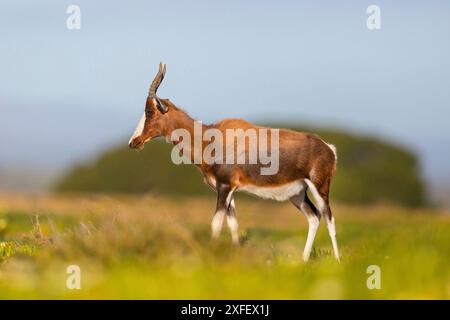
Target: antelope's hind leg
{"points": [[225, 206], [302, 202], [321, 195], [232, 222]]}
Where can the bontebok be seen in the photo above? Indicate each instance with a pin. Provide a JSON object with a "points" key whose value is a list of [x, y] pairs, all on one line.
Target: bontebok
{"points": [[235, 155]]}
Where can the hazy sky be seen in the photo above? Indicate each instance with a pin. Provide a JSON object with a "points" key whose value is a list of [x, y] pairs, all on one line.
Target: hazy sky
{"points": [[66, 94]]}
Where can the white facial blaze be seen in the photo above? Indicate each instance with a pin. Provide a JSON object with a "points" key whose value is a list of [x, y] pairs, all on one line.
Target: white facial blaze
{"points": [[139, 129]]}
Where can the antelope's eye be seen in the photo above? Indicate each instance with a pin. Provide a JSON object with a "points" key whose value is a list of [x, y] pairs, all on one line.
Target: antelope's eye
{"points": [[148, 112]]}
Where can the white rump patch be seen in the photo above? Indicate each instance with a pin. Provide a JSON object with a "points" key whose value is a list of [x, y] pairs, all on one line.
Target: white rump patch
{"points": [[139, 128], [279, 193], [333, 148]]}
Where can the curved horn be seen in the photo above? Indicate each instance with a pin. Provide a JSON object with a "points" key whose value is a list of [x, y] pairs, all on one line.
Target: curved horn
{"points": [[158, 79]]}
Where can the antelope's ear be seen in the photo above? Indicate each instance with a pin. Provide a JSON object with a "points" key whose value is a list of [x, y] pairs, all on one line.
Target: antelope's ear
{"points": [[161, 106]]}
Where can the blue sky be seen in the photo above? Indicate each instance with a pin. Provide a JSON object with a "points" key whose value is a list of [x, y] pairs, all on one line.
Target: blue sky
{"points": [[65, 95]]}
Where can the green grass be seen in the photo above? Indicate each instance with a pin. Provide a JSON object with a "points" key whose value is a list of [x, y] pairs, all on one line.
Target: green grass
{"points": [[153, 248]]}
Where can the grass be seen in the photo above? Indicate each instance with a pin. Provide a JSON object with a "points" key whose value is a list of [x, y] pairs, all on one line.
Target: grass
{"points": [[154, 248]]}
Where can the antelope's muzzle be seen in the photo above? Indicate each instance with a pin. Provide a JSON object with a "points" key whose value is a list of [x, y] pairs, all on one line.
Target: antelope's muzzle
{"points": [[136, 143]]}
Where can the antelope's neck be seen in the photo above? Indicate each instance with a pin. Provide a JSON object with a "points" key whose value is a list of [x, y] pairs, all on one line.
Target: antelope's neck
{"points": [[182, 121]]}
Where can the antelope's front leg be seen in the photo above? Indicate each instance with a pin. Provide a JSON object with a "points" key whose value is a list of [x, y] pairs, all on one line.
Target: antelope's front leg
{"points": [[223, 198]]}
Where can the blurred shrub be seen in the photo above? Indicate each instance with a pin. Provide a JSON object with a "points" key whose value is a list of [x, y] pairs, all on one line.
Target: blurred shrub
{"points": [[369, 171]]}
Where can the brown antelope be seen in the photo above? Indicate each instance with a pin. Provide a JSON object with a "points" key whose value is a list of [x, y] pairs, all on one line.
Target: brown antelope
{"points": [[305, 162]]}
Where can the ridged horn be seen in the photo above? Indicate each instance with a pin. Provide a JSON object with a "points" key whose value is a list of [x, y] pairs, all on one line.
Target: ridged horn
{"points": [[158, 79]]}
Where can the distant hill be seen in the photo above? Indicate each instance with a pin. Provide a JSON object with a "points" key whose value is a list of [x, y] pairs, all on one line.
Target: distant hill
{"points": [[369, 170]]}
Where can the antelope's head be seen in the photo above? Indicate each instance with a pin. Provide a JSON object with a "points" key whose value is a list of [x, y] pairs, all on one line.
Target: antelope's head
{"points": [[155, 118]]}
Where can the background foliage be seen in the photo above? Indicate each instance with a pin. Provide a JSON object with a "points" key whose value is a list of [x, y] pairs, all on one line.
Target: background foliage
{"points": [[369, 170]]}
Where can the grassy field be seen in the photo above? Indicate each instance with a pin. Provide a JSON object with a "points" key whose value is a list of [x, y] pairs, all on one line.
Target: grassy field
{"points": [[151, 248]]}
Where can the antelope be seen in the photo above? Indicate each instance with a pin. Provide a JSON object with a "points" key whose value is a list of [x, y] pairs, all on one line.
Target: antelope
{"points": [[306, 162]]}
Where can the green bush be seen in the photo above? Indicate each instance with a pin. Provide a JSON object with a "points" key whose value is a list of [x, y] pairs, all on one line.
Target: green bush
{"points": [[369, 171]]}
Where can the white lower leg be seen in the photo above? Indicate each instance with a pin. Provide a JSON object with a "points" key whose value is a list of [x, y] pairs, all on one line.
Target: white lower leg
{"points": [[216, 224], [233, 225], [312, 229], [332, 231]]}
